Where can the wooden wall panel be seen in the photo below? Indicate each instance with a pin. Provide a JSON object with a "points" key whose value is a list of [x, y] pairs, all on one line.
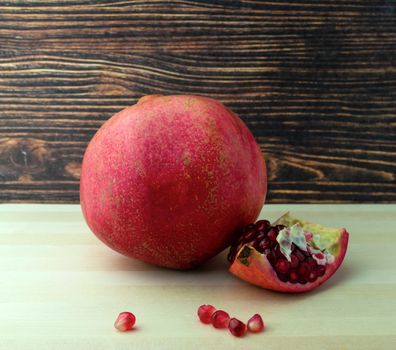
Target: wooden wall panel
{"points": [[314, 80]]}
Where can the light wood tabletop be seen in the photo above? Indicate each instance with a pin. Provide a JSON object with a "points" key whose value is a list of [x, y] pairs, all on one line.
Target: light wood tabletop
{"points": [[61, 288]]}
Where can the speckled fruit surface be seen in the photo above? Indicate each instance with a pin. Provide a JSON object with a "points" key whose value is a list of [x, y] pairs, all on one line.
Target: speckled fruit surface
{"points": [[171, 179]]}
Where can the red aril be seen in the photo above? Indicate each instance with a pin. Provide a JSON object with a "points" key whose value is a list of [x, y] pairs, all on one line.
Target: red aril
{"points": [[237, 327], [255, 324], [220, 319], [125, 321], [205, 313]]}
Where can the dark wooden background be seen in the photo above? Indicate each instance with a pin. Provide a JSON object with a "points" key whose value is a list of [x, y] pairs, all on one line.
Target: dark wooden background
{"points": [[314, 80]]}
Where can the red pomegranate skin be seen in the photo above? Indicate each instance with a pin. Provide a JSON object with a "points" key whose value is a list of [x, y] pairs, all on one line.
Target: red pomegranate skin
{"points": [[171, 179]]}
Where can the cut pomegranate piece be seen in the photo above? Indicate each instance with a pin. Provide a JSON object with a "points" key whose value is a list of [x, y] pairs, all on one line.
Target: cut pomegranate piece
{"points": [[125, 321], [255, 324], [220, 319], [236, 327], [205, 313], [292, 255]]}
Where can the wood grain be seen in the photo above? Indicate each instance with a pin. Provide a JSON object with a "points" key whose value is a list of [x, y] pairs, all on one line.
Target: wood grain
{"points": [[314, 80]]}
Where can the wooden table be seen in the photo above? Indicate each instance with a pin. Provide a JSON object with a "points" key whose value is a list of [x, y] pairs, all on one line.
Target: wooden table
{"points": [[60, 288]]}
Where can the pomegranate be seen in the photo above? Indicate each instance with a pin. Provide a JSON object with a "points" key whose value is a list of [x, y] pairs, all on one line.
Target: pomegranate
{"points": [[291, 255], [171, 179], [236, 327], [125, 321]]}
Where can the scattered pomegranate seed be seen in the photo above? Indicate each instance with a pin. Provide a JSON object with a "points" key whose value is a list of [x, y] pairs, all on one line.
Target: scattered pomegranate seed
{"points": [[236, 327], [125, 321], [205, 313], [220, 319], [255, 324]]}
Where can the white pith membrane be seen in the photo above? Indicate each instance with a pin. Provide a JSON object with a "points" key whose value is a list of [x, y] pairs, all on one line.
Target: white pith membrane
{"points": [[306, 241]]}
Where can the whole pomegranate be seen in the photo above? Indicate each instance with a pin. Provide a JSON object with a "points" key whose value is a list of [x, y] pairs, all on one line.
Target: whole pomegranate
{"points": [[170, 180]]}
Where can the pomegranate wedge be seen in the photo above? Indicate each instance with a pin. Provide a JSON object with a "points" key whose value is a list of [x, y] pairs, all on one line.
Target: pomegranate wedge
{"points": [[291, 255]]}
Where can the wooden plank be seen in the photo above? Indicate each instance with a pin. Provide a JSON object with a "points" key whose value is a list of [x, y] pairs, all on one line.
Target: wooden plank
{"points": [[314, 81], [62, 288]]}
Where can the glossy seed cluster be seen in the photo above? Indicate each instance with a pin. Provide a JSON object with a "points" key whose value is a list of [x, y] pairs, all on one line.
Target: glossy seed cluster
{"points": [[302, 268], [221, 319]]}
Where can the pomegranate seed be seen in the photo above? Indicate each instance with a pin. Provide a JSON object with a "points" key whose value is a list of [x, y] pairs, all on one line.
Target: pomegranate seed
{"points": [[233, 251], [272, 235], [312, 276], [262, 222], [249, 235], [255, 324], [236, 327], [294, 261], [262, 225], [220, 319], [264, 244], [283, 277], [312, 263], [303, 269], [282, 266], [271, 257], [293, 277], [321, 270], [125, 321], [205, 313], [260, 236]]}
